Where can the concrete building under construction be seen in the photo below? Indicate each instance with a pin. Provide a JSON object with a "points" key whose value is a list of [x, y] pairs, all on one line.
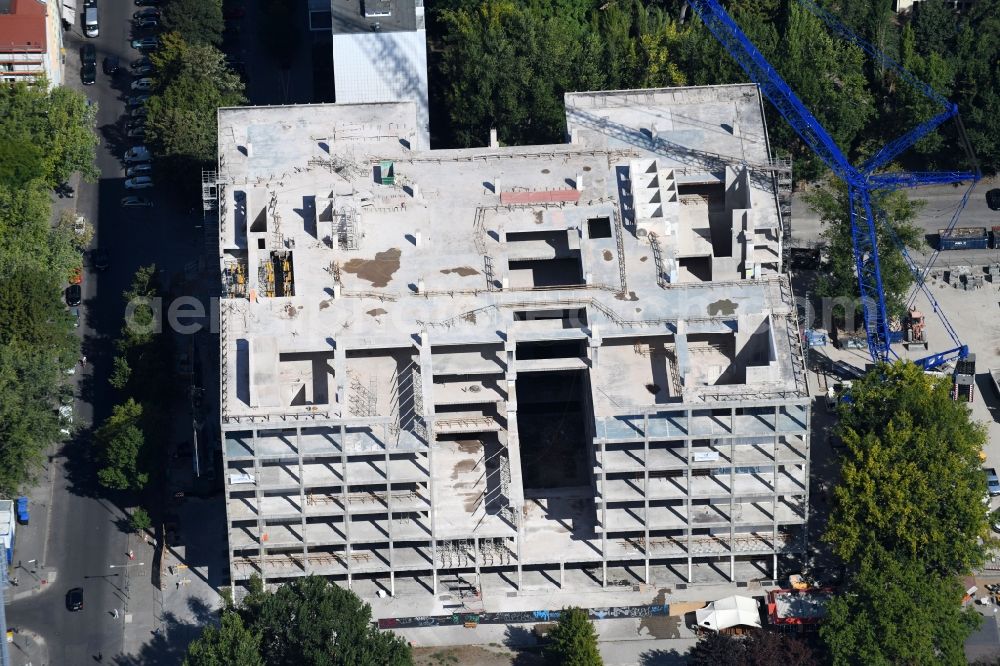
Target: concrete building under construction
{"points": [[573, 365]]}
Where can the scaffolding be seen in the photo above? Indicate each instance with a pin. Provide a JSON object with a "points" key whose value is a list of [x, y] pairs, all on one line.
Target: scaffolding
{"points": [[234, 276], [347, 231], [363, 400]]}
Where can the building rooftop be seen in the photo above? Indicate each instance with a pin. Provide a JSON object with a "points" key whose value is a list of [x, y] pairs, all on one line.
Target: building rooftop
{"points": [[658, 220], [22, 25], [354, 16]]}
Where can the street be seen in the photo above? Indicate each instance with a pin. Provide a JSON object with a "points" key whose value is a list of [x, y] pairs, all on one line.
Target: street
{"points": [[86, 531]]}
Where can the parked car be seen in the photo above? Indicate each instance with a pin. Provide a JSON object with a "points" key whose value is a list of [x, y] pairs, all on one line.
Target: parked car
{"points": [[146, 43], [141, 61], [138, 183], [74, 599], [138, 112], [137, 100], [139, 170], [137, 154], [147, 3], [100, 259], [992, 481], [146, 23], [144, 83], [75, 313], [136, 133], [88, 64], [136, 202], [111, 65], [148, 12], [76, 275], [88, 74], [143, 71], [74, 295]]}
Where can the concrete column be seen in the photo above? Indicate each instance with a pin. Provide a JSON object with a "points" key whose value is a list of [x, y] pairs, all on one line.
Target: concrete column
{"points": [[494, 141], [562, 575]]}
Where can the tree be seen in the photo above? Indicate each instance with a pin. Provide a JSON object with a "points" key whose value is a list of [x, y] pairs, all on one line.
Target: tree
{"points": [[67, 227], [714, 649], [758, 648], [839, 277], [194, 83], [140, 520], [196, 21], [120, 444], [120, 373], [573, 641], [312, 622], [893, 611], [231, 644], [911, 480]]}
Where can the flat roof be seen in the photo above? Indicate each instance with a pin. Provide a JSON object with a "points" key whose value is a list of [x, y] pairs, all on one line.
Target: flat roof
{"points": [[355, 16], [22, 26], [375, 241]]}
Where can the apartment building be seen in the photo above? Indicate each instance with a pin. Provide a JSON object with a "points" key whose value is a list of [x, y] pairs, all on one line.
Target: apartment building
{"points": [[31, 43]]}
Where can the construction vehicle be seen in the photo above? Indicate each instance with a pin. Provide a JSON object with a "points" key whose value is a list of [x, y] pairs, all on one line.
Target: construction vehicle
{"points": [[915, 329], [866, 183]]}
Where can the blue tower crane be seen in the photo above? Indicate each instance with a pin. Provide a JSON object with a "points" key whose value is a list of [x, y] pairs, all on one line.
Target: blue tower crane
{"points": [[863, 183]]}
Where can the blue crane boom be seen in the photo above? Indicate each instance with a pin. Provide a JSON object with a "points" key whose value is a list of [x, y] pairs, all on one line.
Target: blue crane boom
{"points": [[861, 181]]}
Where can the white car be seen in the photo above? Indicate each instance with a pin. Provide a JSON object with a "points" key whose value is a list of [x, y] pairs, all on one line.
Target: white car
{"points": [[145, 83], [138, 154], [138, 183]]}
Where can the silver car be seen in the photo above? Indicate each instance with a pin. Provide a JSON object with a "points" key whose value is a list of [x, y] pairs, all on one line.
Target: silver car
{"points": [[138, 183]]}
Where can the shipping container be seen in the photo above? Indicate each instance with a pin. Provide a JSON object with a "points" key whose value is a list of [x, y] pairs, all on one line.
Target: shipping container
{"points": [[963, 238]]}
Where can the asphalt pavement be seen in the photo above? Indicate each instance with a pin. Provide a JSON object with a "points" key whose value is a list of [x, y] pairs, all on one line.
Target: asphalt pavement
{"points": [[79, 530]]}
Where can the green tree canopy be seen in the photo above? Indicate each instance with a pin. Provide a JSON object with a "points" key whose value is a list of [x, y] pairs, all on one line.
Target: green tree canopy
{"points": [[312, 622], [573, 641], [196, 21], [230, 644], [839, 277], [911, 479], [120, 442], [893, 611], [194, 82]]}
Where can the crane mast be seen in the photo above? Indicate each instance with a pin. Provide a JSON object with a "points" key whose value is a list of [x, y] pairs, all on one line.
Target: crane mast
{"points": [[863, 183]]}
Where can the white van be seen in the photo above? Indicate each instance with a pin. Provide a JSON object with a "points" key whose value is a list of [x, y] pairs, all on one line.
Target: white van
{"points": [[90, 27]]}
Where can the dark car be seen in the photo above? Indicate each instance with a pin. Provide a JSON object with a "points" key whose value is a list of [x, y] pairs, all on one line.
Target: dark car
{"points": [[146, 23], [137, 100], [88, 74], [74, 599], [73, 295], [993, 199], [100, 259], [147, 3], [88, 64], [149, 12], [111, 65]]}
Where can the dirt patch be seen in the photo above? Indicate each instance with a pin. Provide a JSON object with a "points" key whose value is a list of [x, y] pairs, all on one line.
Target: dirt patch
{"points": [[462, 271], [379, 270], [630, 296], [722, 307], [462, 466], [480, 655], [376, 312], [608, 256], [323, 305], [643, 259], [469, 446]]}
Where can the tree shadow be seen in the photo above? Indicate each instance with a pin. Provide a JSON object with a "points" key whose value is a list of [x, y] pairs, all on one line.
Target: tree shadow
{"points": [[661, 658], [167, 646]]}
